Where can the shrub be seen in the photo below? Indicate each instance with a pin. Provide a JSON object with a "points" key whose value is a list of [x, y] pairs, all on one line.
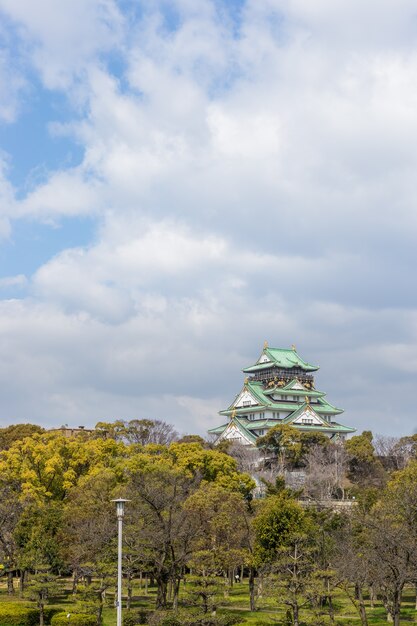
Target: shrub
{"points": [[76, 619], [49, 613], [137, 616], [159, 618], [164, 618], [12, 614]]}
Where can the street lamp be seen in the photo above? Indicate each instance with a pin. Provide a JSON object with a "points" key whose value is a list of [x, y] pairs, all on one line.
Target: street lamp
{"points": [[120, 511]]}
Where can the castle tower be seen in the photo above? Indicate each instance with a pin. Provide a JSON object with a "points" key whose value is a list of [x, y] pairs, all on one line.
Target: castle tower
{"points": [[279, 389]]}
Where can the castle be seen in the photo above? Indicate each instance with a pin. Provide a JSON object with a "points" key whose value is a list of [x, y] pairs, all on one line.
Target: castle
{"points": [[279, 389]]}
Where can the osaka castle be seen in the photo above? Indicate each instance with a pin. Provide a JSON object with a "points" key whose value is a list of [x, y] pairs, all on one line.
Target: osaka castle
{"points": [[279, 389]]}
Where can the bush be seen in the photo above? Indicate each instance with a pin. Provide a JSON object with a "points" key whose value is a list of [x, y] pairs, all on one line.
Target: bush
{"points": [[159, 618], [12, 614], [49, 613], [76, 619], [137, 616], [165, 618]]}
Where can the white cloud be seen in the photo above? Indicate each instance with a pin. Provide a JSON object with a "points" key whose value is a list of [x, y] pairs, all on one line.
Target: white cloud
{"points": [[19, 280], [64, 37], [64, 194], [251, 179], [12, 84]]}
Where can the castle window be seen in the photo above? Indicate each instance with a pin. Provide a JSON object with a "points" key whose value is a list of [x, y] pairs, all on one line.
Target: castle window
{"points": [[246, 403]]}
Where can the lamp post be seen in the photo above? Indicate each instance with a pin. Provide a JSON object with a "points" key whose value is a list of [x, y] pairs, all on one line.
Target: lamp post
{"points": [[120, 511]]}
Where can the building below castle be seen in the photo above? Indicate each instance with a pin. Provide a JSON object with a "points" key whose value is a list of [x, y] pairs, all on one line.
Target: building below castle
{"points": [[279, 389]]}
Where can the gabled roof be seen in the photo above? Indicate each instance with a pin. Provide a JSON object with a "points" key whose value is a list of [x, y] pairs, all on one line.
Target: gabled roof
{"points": [[236, 424], [244, 427], [295, 387], [308, 411], [325, 425], [280, 357], [264, 400], [326, 407]]}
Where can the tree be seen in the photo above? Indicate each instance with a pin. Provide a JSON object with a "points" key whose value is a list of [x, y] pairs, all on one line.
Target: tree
{"points": [[365, 469], [48, 465], [281, 445], [37, 539], [352, 563], [277, 517], [42, 586], [16, 432], [160, 480], [312, 440], [325, 472], [139, 431], [89, 524], [220, 544], [247, 457], [194, 439], [162, 525], [388, 540], [286, 544], [11, 508]]}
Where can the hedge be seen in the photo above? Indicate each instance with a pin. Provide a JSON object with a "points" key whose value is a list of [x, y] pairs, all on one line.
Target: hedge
{"points": [[15, 615], [75, 619], [12, 614]]}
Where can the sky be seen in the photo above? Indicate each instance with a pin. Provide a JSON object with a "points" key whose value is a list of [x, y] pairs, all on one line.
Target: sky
{"points": [[181, 180]]}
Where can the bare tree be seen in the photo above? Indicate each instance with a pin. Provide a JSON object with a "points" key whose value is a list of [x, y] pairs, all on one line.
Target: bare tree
{"points": [[393, 452], [141, 431], [147, 431], [248, 458], [162, 528], [326, 472]]}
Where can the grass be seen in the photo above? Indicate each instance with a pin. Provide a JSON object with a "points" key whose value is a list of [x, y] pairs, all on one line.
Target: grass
{"points": [[269, 611]]}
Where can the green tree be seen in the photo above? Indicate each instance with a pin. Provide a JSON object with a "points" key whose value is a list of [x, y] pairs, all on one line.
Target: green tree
{"points": [[277, 517], [16, 432], [365, 469], [138, 431], [286, 545], [11, 508], [36, 536], [220, 543], [161, 524], [89, 524], [42, 586], [311, 440], [281, 445]]}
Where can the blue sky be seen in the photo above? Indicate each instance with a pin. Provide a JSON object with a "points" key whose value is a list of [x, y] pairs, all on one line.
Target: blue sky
{"points": [[181, 180]]}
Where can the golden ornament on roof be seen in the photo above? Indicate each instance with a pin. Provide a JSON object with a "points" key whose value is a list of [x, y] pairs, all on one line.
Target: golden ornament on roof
{"points": [[265, 344], [293, 347]]}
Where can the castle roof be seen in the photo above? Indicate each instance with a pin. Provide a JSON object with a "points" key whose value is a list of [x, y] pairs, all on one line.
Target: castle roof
{"points": [[284, 358]]}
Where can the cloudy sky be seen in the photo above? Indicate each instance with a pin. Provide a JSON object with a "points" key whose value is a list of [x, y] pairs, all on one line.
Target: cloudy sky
{"points": [[181, 180]]}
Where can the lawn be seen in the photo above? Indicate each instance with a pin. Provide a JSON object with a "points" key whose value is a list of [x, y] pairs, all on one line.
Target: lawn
{"points": [[269, 612]]}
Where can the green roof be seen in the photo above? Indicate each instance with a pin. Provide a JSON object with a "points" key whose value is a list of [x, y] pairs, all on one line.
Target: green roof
{"points": [[262, 398], [240, 427], [283, 358], [326, 407], [246, 426], [264, 401], [288, 391]]}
